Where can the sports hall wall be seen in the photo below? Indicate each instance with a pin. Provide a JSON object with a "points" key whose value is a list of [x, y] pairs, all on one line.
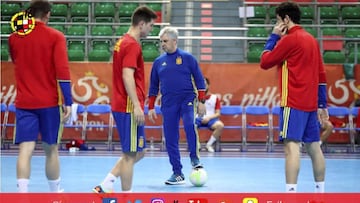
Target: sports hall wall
{"points": [[235, 84]]}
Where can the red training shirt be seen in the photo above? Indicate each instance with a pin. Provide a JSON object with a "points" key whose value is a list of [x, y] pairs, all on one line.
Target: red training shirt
{"points": [[41, 60], [298, 58], [127, 53]]}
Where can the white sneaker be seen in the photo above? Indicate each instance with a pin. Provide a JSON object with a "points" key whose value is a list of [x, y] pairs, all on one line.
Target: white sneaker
{"points": [[210, 148]]}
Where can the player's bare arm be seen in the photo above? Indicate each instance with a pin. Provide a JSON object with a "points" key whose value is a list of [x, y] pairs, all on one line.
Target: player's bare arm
{"points": [[201, 109]]}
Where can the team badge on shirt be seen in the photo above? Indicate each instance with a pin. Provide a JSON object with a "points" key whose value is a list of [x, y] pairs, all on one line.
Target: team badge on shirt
{"points": [[22, 23], [178, 60], [141, 141]]}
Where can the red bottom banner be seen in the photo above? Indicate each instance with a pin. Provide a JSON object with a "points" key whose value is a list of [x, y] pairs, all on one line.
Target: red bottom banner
{"points": [[180, 198]]}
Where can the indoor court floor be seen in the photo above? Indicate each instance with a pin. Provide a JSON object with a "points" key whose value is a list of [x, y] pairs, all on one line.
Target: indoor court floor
{"points": [[228, 171]]}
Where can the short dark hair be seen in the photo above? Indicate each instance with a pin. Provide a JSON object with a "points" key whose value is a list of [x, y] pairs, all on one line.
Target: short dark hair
{"points": [[39, 8], [142, 13], [291, 9]]}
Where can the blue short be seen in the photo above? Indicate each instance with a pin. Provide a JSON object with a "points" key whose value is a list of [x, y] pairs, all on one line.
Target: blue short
{"points": [[207, 125], [132, 136], [31, 122], [299, 126]]}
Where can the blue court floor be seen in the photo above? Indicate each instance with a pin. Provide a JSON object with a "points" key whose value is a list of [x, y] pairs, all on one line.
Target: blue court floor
{"points": [[241, 172]]}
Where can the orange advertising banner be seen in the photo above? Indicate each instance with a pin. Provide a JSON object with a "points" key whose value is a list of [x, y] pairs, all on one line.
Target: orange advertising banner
{"points": [[235, 84]]}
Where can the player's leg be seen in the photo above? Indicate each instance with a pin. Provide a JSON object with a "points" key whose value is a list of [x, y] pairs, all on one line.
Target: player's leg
{"points": [[51, 129], [127, 157], [171, 119], [311, 140], [217, 127], [52, 167], [26, 133], [133, 144], [126, 169], [318, 164], [327, 128], [188, 113], [292, 126], [133, 152], [292, 164], [23, 165]]}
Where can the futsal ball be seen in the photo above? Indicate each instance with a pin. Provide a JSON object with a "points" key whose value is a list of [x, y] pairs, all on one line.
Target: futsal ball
{"points": [[198, 177]]}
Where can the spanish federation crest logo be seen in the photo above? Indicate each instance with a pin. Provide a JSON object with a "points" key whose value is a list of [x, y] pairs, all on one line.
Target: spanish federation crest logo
{"points": [[178, 60], [22, 23]]}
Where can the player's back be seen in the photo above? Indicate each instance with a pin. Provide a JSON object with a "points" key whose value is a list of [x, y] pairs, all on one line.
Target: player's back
{"points": [[36, 56], [305, 57]]}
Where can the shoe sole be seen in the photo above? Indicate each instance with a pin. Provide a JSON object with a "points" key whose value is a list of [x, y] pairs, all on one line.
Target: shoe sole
{"points": [[198, 167], [175, 183]]}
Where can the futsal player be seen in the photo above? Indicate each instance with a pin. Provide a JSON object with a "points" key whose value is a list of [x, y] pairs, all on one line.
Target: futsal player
{"points": [[302, 79], [42, 84], [211, 119], [128, 99]]}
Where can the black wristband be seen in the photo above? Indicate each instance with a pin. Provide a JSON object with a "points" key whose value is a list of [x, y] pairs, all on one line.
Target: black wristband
{"points": [[202, 101]]}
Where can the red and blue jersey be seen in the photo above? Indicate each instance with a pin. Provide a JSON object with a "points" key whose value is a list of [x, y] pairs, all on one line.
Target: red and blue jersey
{"points": [[212, 104], [127, 54], [300, 67], [41, 62]]}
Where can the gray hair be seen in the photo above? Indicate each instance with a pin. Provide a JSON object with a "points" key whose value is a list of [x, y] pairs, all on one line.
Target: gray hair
{"points": [[170, 31]]}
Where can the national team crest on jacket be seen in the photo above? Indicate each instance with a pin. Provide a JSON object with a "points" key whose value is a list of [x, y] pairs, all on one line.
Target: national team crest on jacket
{"points": [[22, 23], [178, 60]]}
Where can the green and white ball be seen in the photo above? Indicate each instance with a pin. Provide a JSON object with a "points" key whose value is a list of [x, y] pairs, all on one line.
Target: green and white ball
{"points": [[198, 177]]}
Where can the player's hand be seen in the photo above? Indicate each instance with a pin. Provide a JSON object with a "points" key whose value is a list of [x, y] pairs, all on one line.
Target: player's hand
{"points": [[323, 115], [280, 29], [201, 109], [152, 115], [67, 114], [205, 120], [139, 116]]}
